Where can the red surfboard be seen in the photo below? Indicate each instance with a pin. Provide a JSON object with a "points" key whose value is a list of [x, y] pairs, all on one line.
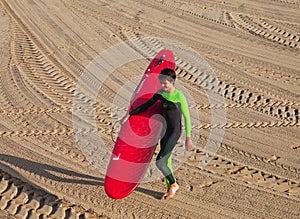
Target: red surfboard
{"points": [[138, 137]]}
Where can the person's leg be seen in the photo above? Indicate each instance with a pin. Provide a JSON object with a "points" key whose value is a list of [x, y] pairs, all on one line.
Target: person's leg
{"points": [[164, 160], [159, 163], [168, 182]]}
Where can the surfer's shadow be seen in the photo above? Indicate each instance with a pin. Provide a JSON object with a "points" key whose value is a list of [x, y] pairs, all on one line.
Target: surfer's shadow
{"points": [[51, 172]]}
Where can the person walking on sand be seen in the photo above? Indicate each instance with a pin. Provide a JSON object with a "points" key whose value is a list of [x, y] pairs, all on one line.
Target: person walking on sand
{"points": [[174, 105]]}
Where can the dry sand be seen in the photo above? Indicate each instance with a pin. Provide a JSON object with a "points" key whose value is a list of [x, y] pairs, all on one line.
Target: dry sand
{"points": [[252, 46]]}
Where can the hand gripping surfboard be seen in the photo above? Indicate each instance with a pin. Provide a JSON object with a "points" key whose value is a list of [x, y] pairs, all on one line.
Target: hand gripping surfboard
{"points": [[138, 137]]}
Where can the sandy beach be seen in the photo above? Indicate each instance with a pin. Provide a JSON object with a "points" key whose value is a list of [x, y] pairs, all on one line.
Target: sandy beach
{"points": [[237, 62]]}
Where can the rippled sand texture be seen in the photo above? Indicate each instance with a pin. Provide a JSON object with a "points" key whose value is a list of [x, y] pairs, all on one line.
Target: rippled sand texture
{"points": [[253, 48]]}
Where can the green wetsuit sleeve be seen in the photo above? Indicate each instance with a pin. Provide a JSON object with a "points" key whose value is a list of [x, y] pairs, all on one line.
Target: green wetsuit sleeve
{"points": [[186, 115], [144, 106]]}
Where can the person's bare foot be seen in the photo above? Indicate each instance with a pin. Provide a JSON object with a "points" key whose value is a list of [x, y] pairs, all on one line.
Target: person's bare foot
{"points": [[173, 188], [164, 196]]}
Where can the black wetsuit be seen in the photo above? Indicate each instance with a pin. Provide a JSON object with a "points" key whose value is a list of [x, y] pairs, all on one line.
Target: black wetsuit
{"points": [[173, 106]]}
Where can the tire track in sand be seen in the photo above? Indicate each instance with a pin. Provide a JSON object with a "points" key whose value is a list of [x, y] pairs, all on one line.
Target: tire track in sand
{"points": [[224, 18], [252, 65], [284, 110], [260, 27], [24, 201], [224, 167]]}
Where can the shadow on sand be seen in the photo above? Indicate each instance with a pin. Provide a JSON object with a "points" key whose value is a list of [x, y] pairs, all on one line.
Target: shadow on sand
{"points": [[48, 171]]}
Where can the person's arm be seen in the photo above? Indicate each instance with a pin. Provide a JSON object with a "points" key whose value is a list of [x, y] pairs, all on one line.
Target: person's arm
{"points": [[140, 108], [144, 106], [186, 115], [187, 122]]}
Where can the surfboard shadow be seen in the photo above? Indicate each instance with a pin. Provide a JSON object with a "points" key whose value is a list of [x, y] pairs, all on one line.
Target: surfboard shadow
{"points": [[154, 194], [47, 171]]}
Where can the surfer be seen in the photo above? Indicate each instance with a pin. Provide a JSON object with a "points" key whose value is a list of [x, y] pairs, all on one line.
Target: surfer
{"points": [[174, 105]]}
